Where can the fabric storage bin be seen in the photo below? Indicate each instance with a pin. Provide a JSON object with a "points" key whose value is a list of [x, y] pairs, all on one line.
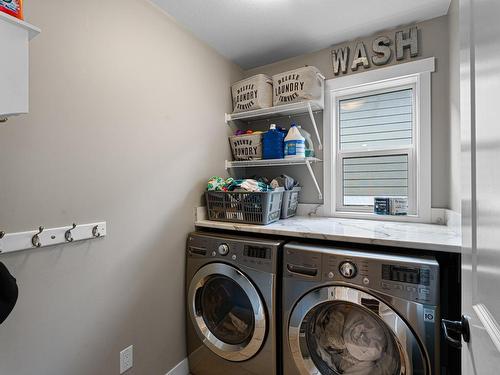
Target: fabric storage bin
{"points": [[297, 85], [246, 147], [251, 93], [244, 207], [290, 202]]}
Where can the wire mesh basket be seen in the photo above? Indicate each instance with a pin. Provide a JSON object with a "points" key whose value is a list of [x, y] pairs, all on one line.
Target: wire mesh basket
{"points": [[245, 207], [290, 202]]}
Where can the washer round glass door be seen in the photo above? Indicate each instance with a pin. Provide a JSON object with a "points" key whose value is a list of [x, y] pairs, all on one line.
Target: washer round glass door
{"points": [[341, 330], [227, 312]]}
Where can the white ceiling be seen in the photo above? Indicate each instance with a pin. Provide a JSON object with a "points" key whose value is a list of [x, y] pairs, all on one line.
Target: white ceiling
{"points": [[257, 32]]}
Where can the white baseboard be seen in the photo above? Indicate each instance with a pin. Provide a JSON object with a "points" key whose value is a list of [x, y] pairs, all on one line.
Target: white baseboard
{"points": [[182, 368]]}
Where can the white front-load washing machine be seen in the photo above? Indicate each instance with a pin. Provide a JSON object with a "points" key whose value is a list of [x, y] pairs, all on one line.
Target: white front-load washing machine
{"points": [[231, 289], [359, 313]]}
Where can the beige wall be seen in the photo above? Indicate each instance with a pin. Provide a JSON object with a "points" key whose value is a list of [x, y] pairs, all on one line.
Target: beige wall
{"points": [[126, 125], [433, 42]]}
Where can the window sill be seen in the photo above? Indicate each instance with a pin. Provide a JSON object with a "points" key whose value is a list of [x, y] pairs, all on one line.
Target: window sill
{"points": [[436, 216], [372, 216]]}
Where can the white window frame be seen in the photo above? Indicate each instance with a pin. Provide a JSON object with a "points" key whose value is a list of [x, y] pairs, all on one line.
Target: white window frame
{"points": [[415, 74]]}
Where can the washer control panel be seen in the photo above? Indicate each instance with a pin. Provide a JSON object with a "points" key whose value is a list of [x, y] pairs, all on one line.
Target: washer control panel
{"points": [[407, 277]]}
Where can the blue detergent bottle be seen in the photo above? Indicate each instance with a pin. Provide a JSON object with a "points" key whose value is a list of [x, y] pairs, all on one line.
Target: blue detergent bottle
{"points": [[273, 143]]}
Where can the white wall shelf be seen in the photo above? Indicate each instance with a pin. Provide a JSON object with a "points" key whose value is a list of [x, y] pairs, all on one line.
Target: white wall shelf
{"points": [[269, 162], [277, 163], [277, 111], [291, 109], [14, 65], [32, 30], [35, 239]]}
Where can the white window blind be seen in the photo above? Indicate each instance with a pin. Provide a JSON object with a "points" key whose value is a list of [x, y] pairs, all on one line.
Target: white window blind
{"points": [[376, 121], [367, 177], [374, 147]]}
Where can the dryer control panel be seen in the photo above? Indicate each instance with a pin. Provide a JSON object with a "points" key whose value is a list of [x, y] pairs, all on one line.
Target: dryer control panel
{"points": [[407, 277], [242, 251]]}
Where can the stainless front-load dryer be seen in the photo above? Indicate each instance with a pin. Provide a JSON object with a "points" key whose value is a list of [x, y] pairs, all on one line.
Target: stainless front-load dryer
{"points": [[231, 305], [359, 313]]}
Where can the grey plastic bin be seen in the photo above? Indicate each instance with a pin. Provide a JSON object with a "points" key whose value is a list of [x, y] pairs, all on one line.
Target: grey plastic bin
{"points": [[245, 207], [290, 202]]}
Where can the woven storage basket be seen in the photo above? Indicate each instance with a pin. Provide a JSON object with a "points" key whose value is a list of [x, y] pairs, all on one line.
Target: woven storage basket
{"points": [[244, 207], [297, 85], [246, 147], [252, 93]]}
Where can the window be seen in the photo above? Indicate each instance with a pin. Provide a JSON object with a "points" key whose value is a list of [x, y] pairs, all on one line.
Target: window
{"points": [[375, 133], [378, 141]]}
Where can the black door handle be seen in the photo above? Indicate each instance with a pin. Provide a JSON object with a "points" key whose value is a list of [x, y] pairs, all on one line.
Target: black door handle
{"points": [[459, 328]]}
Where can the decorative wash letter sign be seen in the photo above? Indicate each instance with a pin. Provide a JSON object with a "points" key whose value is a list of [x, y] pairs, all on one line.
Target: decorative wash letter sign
{"points": [[381, 51]]}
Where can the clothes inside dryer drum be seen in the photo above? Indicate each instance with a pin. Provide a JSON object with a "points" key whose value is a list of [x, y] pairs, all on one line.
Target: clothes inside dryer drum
{"points": [[348, 339], [227, 310]]}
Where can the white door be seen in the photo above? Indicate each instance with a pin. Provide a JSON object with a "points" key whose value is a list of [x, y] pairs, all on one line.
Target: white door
{"points": [[480, 118]]}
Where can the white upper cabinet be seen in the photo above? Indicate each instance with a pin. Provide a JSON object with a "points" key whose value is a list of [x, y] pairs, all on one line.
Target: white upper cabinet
{"points": [[14, 65]]}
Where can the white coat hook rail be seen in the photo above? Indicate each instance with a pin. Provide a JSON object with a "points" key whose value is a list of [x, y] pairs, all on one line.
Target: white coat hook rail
{"points": [[42, 237]]}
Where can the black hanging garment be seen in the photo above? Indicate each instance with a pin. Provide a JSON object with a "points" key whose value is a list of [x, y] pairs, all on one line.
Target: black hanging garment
{"points": [[8, 292]]}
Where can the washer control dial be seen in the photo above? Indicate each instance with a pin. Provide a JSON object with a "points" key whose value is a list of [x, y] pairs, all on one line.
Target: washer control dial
{"points": [[223, 249], [348, 270]]}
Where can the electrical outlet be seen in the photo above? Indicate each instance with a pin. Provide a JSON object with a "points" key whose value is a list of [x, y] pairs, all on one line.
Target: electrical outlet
{"points": [[126, 359]]}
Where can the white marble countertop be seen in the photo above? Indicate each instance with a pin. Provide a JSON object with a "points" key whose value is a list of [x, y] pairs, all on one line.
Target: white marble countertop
{"points": [[395, 234]]}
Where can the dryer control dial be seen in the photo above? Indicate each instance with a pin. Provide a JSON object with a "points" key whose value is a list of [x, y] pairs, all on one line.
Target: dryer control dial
{"points": [[348, 270], [223, 249]]}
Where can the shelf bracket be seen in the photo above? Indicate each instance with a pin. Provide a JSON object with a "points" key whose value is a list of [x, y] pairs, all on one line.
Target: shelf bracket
{"points": [[313, 120], [313, 176]]}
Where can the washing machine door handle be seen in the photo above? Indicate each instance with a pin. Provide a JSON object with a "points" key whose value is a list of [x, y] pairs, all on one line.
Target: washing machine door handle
{"points": [[459, 328]]}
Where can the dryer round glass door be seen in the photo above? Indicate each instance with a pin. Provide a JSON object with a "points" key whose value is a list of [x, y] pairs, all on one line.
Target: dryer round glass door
{"points": [[227, 312], [340, 330]]}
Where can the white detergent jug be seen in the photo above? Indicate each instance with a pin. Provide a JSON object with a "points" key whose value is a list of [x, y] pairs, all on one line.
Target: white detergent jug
{"points": [[309, 143], [294, 144]]}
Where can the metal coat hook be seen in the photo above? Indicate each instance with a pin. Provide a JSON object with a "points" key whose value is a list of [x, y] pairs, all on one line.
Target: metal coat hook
{"points": [[68, 235], [95, 231], [44, 237], [35, 240]]}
